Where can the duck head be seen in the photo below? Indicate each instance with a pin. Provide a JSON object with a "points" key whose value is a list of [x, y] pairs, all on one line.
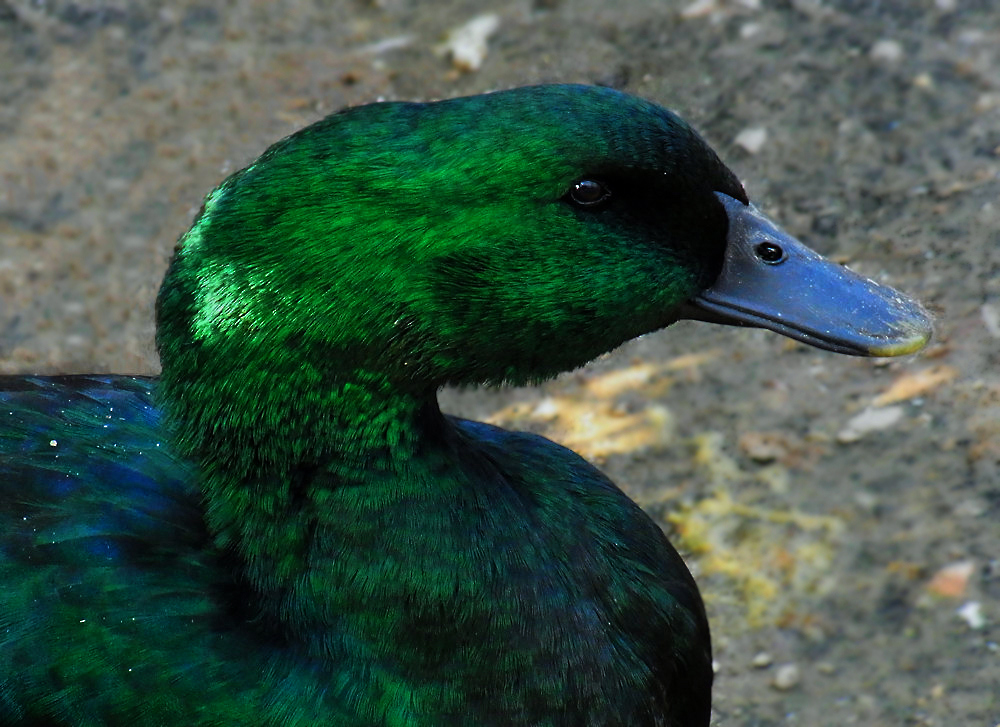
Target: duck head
{"points": [[496, 238]]}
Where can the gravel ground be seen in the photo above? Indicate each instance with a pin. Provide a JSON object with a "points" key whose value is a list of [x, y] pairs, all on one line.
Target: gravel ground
{"points": [[840, 514]]}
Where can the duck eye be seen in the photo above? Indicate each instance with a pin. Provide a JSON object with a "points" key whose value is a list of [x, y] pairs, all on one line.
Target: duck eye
{"points": [[770, 253], [589, 193]]}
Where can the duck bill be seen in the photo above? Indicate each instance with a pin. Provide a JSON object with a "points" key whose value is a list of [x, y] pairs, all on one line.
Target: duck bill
{"points": [[771, 280]]}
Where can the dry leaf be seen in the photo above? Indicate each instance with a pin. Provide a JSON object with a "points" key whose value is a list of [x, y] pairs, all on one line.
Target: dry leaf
{"points": [[915, 384]]}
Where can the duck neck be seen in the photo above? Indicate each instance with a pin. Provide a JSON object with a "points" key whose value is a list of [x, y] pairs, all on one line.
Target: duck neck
{"points": [[289, 463]]}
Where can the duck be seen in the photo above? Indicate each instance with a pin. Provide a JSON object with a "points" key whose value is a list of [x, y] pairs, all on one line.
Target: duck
{"points": [[283, 528]]}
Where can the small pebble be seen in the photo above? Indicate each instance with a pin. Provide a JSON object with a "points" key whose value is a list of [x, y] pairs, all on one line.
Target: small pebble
{"points": [[972, 613], [870, 420], [972, 507], [762, 660], [699, 9], [466, 44], [952, 580], [752, 139], [890, 51], [867, 702], [808, 7], [786, 677], [867, 500], [991, 319], [986, 101], [763, 447]]}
